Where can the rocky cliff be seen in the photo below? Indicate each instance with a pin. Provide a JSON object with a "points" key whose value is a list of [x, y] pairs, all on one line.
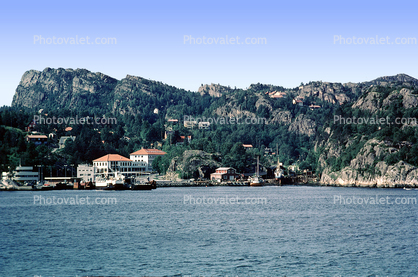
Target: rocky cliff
{"points": [[372, 156], [368, 168], [62, 88], [193, 164]]}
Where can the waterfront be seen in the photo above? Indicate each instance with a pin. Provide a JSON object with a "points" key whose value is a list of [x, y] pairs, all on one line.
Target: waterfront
{"points": [[297, 230]]}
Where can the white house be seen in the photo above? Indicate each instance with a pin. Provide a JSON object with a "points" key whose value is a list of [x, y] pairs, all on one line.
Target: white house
{"points": [[107, 165], [85, 172], [145, 157], [25, 174]]}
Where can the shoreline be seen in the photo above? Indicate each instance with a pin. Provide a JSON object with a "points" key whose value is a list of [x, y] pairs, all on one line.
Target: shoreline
{"points": [[237, 184]]}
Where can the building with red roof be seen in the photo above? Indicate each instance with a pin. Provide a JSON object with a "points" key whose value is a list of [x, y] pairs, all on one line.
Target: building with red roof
{"points": [[146, 157]]}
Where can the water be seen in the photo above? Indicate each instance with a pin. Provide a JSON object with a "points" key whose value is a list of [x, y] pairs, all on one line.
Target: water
{"points": [[298, 232]]}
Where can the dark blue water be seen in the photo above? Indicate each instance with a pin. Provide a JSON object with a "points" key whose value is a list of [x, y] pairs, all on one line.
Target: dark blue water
{"points": [[300, 231]]}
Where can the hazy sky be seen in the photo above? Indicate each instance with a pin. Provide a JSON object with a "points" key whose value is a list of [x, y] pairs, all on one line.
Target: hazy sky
{"points": [[297, 40]]}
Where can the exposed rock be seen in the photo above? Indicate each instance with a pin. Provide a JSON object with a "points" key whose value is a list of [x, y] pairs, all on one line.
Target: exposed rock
{"points": [[303, 125], [263, 102], [231, 111], [368, 169], [214, 90], [281, 117], [334, 93], [195, 163], [61, 87], [373, 101]]}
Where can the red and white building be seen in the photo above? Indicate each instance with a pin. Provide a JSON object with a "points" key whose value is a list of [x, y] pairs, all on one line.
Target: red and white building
{"points": [[145, 157], [224, 174]]}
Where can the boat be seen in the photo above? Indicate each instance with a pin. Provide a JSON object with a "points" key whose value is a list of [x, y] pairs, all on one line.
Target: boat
{"points": [[256, 180], [113, 183], [144, 186], [117, 183], [279, 172]]}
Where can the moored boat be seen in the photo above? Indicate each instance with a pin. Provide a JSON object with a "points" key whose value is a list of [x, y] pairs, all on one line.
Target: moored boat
{"points": [[256, 181], [144, 186]]}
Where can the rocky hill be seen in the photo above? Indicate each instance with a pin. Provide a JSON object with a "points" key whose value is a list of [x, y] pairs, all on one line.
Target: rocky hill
{"points": [[378, 154], [344, 154], [192, 164]]}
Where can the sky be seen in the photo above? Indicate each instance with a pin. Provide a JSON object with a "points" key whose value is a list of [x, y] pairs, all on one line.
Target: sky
{"points": [[183, 43]]}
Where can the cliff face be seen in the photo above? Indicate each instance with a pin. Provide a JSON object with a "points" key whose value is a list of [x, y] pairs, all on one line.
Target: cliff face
{"points": [[84, 90], [372, 101], [214, 90], [303, 125], [368, 168], [334, 93], [61, 88], [194, 164]]}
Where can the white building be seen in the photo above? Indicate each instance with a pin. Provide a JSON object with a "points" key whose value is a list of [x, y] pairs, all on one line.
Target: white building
{"points": [[107, 165], [25, 174], [145, 157], [85, 172]]}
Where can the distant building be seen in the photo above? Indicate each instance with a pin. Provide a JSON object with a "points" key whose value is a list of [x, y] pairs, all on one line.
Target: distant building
{"points": [[63, 139], [247, 146], [24, 174], [107, 165], [146, 157], [313, 107], [182, 139], [277, 94], [31, 126], [37, 139], [224, 174], [173, 121], [85, 172], [297, 102]]}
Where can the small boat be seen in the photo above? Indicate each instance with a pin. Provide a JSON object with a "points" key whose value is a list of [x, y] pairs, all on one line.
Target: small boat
{"points": [[47, 187], [144, 186], [257, 181]]}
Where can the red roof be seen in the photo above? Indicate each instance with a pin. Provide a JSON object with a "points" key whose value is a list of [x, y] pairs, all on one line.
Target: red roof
{"points": [[112, 158], [144, 151], [37, 136], [247, 145]]}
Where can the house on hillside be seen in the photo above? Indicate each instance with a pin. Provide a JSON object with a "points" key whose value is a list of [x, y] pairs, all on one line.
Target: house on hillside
{"points": [[247, 146], [37, 139], [183, 139], [297, 102]]}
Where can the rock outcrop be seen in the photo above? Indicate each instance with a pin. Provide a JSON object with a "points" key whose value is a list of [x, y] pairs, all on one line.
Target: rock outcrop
{"points": [[303, 125], [368, 168], [214, 90], [193, 164], [62, 88]]}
